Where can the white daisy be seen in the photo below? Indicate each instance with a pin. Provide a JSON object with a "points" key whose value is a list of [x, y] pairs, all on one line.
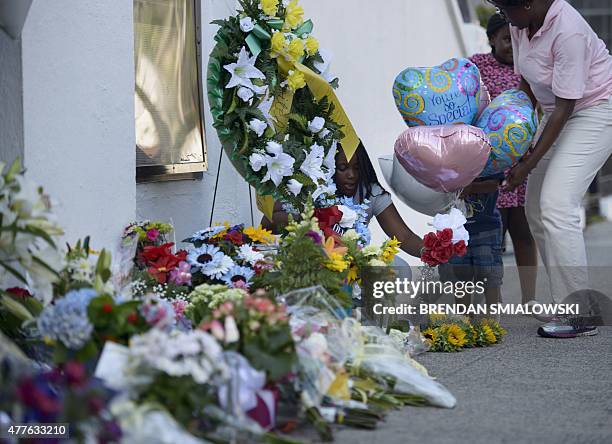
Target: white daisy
{"points": [[248, 254], [210, 260], [238, 274]]}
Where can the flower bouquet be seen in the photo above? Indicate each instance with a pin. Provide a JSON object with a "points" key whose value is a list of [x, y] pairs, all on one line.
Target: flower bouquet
{"points": [[64, 394], [451, 334], [162, 272], [255, 326], [449, 240], [229, 255], [306, 259]]}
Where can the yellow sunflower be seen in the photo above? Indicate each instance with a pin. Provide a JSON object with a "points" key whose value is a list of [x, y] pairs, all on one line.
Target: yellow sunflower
{"points": [[489, 335], [456, 335], [430, 335]]}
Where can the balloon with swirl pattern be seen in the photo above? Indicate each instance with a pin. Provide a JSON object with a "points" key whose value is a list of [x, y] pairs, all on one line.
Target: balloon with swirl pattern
{"points": [[510, 123], [445, 94]]}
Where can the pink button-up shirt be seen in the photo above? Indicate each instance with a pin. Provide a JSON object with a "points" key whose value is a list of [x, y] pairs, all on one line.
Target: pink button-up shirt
{"points": [[565, 58]]}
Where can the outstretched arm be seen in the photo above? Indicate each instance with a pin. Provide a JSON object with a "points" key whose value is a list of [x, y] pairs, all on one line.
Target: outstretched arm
{"points": [[280, 219], [556, 122], [393, 225]]}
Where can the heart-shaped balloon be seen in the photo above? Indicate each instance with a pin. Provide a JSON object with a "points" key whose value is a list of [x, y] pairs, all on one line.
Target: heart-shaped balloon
{"points": [[413, 193], [440, 95], [510, 122], [443, 158]]}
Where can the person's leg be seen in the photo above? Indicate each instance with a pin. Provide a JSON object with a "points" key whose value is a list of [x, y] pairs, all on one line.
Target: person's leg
{"points": [[581, 150], [533, 211], [505, 214], [525, 252]]}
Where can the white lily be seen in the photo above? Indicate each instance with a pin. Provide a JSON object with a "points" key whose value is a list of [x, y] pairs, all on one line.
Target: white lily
{"points": [[279, 166], [328, 188], [295, 186], [323, 67], [257, 161], [274, 148], [265, 106], [312, 165], [258, 126], [243, 71], [330, 161]]}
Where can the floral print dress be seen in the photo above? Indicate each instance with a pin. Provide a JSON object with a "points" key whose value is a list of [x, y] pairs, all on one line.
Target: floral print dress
{"points": [[498, 77]]}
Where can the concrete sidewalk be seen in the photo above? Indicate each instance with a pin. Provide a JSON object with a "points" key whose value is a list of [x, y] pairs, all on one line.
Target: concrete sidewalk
{"points": [[526, 390]]}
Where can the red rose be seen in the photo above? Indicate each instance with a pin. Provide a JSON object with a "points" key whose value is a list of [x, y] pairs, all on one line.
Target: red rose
{"points": [[428, 259], [430, 241], [328, 217], [107, 308], [445, 237], [442, 254], [132, 318], [235, 237], [460, 248]]}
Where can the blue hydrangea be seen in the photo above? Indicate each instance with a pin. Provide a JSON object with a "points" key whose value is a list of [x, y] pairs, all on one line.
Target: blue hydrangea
{"points": [[66, 321], [158, 312]]}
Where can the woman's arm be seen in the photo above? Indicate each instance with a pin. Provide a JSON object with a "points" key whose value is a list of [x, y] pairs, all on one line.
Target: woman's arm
{"points": [[280, 219], [480, 187], [393, 225], [524, 86], [556, 122]]}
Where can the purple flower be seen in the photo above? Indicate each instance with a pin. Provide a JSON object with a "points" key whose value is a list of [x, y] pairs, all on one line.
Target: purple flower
{"points": [[316, 237], [152, 234]]}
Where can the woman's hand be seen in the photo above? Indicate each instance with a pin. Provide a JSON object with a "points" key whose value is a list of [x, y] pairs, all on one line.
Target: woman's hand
{"points": [[517, 175]]}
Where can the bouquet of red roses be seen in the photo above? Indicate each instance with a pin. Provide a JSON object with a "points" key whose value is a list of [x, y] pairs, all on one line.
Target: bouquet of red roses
{"points": [[438, 247]]}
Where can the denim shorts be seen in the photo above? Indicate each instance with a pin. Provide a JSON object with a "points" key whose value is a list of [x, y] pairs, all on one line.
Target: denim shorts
{"points": [[482, 262]]}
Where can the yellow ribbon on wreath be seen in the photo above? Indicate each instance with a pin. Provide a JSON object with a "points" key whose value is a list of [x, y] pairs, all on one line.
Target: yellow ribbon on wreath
{"points": [[281, 106]]}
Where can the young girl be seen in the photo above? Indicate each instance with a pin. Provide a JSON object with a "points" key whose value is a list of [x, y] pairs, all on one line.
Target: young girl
{"points": [[357, 178], [497, 73]]}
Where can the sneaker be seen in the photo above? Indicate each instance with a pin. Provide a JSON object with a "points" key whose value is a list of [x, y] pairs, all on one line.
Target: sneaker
{"points": [[540, 317], [567, 327]]}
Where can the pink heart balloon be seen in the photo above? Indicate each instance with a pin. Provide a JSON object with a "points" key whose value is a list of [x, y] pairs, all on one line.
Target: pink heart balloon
{"points": [[443, 158]]}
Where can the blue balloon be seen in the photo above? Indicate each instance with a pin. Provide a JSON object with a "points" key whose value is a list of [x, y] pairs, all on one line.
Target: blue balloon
{"points": [[510, 123], [440, 95]]}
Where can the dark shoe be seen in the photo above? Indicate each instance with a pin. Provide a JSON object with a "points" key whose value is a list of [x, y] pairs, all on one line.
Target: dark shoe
{"points": [[567, 327]]}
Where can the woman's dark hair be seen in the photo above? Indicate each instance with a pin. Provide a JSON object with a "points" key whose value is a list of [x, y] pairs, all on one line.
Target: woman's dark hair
{"points": [[496, 22], [507, 3], [367, 175]]}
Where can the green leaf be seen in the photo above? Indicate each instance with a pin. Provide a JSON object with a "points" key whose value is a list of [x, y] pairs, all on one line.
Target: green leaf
{"points": [[13, 271]]}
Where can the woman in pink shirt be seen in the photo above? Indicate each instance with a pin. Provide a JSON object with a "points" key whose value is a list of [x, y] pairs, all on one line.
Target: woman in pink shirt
{"points": [[567, 69]]}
